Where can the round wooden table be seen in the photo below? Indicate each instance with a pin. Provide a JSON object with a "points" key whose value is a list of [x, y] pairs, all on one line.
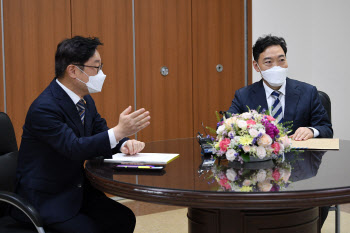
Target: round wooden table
{"points": [[318, 178]]}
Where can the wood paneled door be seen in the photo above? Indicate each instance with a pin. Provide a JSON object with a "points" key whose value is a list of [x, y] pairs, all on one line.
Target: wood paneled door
{"points": [[163, 38], [32, 30], [218, 39], [111, 22]]}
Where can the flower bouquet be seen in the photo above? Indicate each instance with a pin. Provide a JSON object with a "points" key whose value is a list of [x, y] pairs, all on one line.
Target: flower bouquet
{"points": [[245, 180], [251, 136]]}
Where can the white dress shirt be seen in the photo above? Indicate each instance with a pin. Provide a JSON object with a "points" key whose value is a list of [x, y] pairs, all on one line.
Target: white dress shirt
{"points": [[75, 98], [270, 100]]}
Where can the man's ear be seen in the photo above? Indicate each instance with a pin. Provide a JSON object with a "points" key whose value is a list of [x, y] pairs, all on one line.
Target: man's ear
{"points": [[71, 71], [255, 65]]}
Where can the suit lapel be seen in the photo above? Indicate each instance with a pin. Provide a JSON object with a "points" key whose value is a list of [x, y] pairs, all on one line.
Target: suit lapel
{"points": [[291, 101], [259, 96], [67, 104]]}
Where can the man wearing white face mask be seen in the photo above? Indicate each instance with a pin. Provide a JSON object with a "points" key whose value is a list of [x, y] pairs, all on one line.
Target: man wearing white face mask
{"points": [[287, 99], [61, 131]]}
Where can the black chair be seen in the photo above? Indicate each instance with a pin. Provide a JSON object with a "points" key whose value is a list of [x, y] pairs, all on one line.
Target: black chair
{"points": [[326, 102], [8, 164]]}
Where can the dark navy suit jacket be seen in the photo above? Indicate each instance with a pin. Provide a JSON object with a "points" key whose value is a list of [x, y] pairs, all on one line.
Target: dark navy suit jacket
{"points": [[54, 146], [302, 105]]}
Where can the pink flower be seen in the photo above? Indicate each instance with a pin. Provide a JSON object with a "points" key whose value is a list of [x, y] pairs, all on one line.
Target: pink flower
{"points": [[276, 175], [286, 141], [270, 118], [250, 123], [224, 144], [224, 183], [276, 147]]}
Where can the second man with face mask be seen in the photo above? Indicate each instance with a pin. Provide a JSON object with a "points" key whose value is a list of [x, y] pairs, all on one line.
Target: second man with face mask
{"points": [[285, 98]]}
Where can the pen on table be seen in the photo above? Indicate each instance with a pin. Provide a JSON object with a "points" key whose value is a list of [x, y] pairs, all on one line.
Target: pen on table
{"points": [[138, 166]]}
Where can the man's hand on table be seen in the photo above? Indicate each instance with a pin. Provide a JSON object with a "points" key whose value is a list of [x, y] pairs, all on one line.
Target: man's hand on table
{"points": [[302, 133], [132, 147]]}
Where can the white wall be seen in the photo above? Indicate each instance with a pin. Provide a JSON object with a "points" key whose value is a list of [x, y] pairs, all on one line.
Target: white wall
{"points": [[317, 33]]}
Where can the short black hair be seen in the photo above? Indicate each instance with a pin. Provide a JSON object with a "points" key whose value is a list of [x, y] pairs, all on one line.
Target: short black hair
{"points": [[76, 50], [263, 42]]}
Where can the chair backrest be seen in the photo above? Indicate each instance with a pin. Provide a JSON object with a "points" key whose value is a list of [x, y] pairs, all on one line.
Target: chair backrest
{"points": [[326, 102], [8, 156]]}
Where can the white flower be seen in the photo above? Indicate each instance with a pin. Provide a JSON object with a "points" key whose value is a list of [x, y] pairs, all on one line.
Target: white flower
{"points": [[281, 148], [253, 132], [261, 176], [265, 186], [247, 182], [265, 140], [231, 134], [285, 174], [230, 154], [262, 131], [246, 148], [247, 115], [261, 152], [220, 129], [231, 174], [242, 124]]}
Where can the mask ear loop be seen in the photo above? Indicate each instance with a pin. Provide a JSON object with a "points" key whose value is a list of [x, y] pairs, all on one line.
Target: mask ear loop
{"points": [[84, 73], [260, 70]]}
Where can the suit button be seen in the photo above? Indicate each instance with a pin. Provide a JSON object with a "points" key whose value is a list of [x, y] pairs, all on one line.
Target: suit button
{"points": [[79, 185]]}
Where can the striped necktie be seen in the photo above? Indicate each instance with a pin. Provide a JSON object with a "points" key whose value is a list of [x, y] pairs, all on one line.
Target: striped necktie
{"points": [[276, 110], [81, 109]]}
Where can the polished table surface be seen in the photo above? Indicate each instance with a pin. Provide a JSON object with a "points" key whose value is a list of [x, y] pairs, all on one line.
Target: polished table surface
{"points": [[317, 178]]}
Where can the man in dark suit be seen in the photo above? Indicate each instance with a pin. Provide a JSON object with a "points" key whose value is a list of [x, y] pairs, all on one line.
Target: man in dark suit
{"points": [[285, 98], [297, 101], [62, 130]]}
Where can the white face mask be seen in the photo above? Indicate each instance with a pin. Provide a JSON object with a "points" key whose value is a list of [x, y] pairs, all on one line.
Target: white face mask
{"points": [[95, 83], [275, 76]]}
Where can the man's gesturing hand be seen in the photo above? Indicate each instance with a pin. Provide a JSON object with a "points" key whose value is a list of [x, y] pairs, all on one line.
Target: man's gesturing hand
{"points": [[131, 122]]}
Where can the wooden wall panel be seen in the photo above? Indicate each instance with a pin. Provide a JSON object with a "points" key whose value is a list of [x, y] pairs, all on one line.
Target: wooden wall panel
{"points": [[32, 31], [111, 21], [1, 75], [218, 38], [163, 38]]}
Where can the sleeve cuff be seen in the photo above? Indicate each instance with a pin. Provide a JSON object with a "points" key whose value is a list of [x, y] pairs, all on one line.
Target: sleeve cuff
{"points": [[113, 142], [316, 132]]}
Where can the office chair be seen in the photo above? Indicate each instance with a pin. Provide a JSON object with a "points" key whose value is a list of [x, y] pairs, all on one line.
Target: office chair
{"points": [[326, 102], [8, 164]]}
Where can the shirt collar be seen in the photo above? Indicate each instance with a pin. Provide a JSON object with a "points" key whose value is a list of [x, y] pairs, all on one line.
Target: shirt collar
{"points": [[74, 97], [269, 90]]}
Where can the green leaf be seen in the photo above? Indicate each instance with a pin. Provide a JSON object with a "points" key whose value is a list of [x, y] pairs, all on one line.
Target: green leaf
{"points": [[211, 130], [258, 109], [246, 157], [218, 118]]}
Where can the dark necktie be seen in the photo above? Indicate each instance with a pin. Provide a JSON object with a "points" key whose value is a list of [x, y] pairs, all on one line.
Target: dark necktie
{"points": [[81, 109], [276, 110]]}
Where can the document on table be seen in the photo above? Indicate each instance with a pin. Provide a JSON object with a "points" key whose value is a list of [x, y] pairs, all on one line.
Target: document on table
{"points": [[317, 143], [143, 158]]}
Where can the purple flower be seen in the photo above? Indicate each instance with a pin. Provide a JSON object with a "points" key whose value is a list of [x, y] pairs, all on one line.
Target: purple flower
{"points": [[275, 188], [270, 128]]}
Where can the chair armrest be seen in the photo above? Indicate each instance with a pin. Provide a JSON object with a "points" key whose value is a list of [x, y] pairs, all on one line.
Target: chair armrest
{"points": [[17, 201]]}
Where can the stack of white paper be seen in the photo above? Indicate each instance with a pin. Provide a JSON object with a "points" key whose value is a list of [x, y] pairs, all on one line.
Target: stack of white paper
{"points": [[142, 158]]}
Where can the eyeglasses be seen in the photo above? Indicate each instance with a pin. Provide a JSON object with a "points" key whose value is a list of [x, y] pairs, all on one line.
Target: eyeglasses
{"points": [[97, 67]]}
